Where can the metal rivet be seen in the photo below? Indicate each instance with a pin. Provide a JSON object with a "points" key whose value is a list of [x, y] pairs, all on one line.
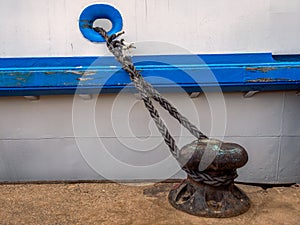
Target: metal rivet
{"points": [[250, 94], [194, 94], [32, 98], [86, 96]]}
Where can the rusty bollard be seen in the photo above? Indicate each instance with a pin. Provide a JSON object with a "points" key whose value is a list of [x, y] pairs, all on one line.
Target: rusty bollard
{"points": [[211, 192]]}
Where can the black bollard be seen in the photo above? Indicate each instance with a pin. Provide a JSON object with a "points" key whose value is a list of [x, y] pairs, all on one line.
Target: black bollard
{"points": [[211, 192]]}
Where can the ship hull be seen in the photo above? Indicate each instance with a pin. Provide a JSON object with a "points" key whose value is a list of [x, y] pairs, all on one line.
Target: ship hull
{"points": [[69, 112]]}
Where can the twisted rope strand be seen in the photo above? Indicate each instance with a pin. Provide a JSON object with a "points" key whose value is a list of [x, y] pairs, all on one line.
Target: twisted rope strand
{"points": [[130, 68], [116, 48]]}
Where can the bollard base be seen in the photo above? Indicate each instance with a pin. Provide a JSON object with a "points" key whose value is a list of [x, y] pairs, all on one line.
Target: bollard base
{"points": [[204, 200]]}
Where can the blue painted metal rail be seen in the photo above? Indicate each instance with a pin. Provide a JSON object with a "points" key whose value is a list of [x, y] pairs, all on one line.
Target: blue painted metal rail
{"points": [[193, 73]]}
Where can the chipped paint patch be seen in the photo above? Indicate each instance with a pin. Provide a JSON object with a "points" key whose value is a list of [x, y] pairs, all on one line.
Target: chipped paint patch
{"points": [[76, 72]]}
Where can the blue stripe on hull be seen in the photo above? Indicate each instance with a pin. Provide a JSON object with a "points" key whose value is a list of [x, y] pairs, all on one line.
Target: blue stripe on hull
{"points": [[193, 73]]}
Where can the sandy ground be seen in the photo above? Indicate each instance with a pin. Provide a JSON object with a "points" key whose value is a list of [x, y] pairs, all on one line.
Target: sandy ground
{"points": [[110, 203]]}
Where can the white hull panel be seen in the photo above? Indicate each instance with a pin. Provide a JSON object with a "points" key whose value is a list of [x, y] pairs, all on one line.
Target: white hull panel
{"points": [[50, 27], [38, 142]]}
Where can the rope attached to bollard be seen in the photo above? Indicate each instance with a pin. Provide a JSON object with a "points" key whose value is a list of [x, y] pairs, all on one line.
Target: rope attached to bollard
{"points": [[118, 48]]}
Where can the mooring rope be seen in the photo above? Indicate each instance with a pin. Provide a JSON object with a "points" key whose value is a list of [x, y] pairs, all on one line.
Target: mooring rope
{"points": [[147, 91], [216, 181]]}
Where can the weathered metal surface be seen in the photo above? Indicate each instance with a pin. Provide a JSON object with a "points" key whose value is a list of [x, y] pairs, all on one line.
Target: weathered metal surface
{"points": [[220, 156], [207, 201], [213, 195]]}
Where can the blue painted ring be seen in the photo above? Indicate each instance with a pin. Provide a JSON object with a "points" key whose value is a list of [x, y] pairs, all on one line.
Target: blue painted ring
{"points": [[99, 11]]}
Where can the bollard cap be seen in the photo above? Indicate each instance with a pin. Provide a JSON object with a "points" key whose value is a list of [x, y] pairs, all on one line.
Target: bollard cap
{"points": [[212, 155]]}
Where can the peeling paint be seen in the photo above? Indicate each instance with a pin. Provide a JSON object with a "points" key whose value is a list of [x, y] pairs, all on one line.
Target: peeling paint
{"points": [[89, 73], [76, 72], [20, 74], [268, 80], [31, 76], [20, 79], [261, 69], [82, 73], [86, 26], [84, 78], [266, 69]]}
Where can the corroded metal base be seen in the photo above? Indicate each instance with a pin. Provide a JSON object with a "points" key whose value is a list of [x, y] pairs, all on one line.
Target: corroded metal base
{"points": [[204, 200]]}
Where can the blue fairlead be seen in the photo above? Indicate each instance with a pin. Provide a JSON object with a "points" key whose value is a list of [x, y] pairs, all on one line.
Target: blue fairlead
{"points": [[99, 11]]}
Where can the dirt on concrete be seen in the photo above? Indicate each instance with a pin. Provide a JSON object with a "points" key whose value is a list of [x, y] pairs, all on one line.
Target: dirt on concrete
{"points": [[111, 203]]}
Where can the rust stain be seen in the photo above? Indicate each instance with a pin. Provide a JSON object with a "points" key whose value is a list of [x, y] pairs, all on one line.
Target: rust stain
{"points": [[85, 23], [266, 69], [50, 72], [261, 69], [86, 26]]}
